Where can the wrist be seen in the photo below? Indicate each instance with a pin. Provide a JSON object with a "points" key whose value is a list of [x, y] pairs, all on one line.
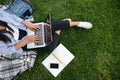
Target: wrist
{"points": [[25, 23], [21, 44], [26, 41]]}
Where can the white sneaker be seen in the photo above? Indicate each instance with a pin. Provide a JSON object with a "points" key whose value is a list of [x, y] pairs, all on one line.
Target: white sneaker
{"points": [[67, 19], [86, 25]]}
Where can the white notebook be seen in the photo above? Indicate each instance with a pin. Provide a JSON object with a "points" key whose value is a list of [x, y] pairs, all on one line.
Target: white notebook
{"points": [[60, 56]]}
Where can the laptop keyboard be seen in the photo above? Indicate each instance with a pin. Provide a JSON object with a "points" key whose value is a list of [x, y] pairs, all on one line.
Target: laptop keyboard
{"points": [[40, 34]]}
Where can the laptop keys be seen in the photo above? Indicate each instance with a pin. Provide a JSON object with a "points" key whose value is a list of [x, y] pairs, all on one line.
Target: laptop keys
{"points": [[39, 33]]}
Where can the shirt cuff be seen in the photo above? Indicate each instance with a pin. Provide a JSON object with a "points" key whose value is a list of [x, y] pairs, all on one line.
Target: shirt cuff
{"points": [[13, 50], [17, 18]]}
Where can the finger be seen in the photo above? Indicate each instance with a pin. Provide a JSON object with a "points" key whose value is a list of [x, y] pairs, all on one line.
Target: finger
{"points": [[32, 29], [36, 41], [38, 37], [37, 27]]}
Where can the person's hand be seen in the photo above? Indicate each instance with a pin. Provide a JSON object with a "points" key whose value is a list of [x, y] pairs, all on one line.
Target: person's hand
{"points": [[33, 27], [29, 39], [32, 38]]}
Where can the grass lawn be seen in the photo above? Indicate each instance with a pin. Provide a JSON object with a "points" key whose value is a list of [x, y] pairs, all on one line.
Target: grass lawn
{"points": [[97, 54]]}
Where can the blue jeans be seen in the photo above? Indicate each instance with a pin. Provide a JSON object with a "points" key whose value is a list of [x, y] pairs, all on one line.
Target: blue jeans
{"points": [[20, 8]]}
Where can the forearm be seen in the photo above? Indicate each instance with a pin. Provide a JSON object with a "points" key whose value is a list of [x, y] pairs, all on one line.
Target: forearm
{"points": [[25, 23], [29, 39], [20, 44], [31, 26]]}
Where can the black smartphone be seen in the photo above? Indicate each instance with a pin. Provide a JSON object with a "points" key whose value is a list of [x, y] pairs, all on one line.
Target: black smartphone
{"points": [[54, 65]]}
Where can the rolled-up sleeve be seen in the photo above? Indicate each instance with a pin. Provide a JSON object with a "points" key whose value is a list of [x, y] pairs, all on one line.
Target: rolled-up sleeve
{"points": [[12, 19], [9, 18], [8, 49]]}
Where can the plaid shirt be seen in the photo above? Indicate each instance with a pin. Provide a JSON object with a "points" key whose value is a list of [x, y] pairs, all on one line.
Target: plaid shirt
{"points": [[9, 68]]}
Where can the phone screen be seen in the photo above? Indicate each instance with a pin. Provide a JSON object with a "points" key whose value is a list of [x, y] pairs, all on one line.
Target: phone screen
{"points": [[54, 65]]}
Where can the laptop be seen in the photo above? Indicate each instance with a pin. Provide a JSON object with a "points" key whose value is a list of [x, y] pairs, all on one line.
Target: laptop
{"points": [[45, 33]]}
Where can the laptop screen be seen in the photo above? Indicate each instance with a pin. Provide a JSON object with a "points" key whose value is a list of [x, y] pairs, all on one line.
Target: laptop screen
{"points": [[48, 31], [48, 19], [48, 34]]}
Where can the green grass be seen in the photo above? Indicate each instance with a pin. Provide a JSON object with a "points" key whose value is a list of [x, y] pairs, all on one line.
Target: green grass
{"points": [[97, 54]]}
